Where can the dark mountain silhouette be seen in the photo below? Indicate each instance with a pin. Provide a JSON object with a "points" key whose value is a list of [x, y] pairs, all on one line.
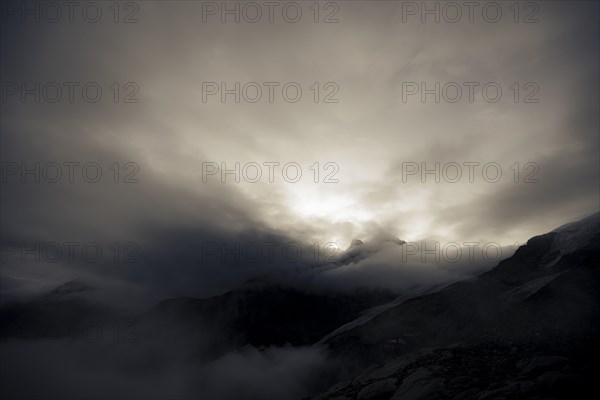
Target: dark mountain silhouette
{"points": [[262, 314], [53, 315], [529, 328]]}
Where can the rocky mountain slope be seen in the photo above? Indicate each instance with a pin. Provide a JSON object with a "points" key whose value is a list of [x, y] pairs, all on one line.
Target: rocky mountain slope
{"points": [[529, 328]]}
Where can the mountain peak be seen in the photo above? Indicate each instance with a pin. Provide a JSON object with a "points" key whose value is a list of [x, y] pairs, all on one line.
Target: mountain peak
{"points": [[356, 242], [574, 235]]}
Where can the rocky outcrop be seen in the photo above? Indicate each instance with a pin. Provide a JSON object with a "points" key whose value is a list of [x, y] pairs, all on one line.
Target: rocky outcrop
{"points": [[528, 329]]}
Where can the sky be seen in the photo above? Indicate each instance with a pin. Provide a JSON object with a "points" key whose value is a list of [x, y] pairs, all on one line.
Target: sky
{"points": [[348, 159]]}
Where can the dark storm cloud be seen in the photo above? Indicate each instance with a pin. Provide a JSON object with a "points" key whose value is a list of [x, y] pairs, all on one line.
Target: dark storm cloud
{"points": [[368, 134]]}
